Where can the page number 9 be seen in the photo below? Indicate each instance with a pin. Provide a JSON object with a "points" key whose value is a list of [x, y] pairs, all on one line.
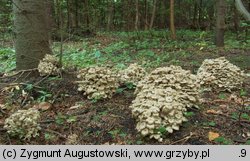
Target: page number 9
{"points": [[243, 153]]}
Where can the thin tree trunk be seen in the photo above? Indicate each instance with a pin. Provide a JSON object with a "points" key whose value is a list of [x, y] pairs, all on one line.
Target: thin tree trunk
{"points": [[195, 15], [110, 15], [220, 22], [86, 11], [146, 14], [200, 14], [76, 13], [32, 39], [57, 15], [153, 15], [172, 26], [236, 20], [137, 14]]}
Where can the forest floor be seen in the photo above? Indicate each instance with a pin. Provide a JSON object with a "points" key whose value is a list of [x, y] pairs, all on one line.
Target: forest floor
{"points": [[66, 111]]}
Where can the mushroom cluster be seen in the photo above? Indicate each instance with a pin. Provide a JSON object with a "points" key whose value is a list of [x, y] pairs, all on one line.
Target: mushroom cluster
{"points": [[48, 66], [97, 82], [183, 81], [220, 74], [133, 74], [162, 98], [156, 108], [23, 123]]}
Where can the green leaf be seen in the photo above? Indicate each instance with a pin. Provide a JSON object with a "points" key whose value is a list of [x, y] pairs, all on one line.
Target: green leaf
{"points": [[48, 136], [235, 115], [222, 140], [130, 85], [247, 142], [139, 142], [219, 139], [97, 54], [120, 90], [211, 123], [162, 130], [123, 135], [243, 92], [222, 96], [60, 119], [29, 87], [72, 119], [189, 114], [245, 116]]}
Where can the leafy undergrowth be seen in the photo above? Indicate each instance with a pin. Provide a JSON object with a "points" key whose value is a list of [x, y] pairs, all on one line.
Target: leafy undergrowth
{"points": [[223, 118]]}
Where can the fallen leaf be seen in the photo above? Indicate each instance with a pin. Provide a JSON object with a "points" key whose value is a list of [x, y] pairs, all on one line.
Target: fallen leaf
{"points": [[223, 106], [239, 101], [211, 112], [43, 106], [74, 107], [214, 112], [213, 135]]}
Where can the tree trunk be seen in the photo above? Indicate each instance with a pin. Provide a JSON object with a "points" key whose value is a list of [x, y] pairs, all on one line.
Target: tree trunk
{"points": [[76, 14], [236, 20], [195, 15], [240, 7], [86, 14], [146, 14], [110, 15], [153, 15], [57, 15], [31, 33], [200, 14], [220, 22], [137, 14], [172, 26]]}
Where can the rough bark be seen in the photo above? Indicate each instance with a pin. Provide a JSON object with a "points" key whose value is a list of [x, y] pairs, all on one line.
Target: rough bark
{"points": [[31, 33], [220, 23]]}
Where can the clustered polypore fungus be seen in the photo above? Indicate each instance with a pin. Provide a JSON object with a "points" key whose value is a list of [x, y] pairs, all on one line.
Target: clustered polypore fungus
{"points": [[183, 81], [133, 74], [162, 98], [48, 66], [220, 74], [23, 123], [97, 82]]}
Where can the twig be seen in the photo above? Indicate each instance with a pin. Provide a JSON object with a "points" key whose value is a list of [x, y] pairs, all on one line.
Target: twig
{"points": [[47, 121], [21, 71], [2, 111], [14, 84], [55, 132], [186, 138], [41, 80]]}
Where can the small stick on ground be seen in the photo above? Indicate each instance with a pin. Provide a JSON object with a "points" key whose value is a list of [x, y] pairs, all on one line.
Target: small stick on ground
{"points": [[55, 132], [183, 140]]}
